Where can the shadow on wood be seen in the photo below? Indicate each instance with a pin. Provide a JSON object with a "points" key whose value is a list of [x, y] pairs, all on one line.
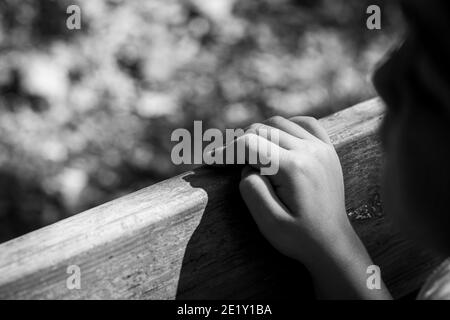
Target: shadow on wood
{"points": [[227, 257]]}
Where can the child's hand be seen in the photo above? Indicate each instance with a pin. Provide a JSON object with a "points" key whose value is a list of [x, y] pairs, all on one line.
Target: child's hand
{"points": [[301, 208]]}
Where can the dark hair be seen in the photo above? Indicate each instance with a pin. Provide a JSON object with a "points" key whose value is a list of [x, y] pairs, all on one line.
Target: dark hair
{"points": [[414, 82]]}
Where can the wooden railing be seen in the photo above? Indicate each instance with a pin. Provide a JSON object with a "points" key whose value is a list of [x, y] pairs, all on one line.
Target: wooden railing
{"points": [[191, 237]]}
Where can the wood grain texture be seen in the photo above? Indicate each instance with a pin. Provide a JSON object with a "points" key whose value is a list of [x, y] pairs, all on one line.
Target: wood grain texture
{"points": [[191, 237]]}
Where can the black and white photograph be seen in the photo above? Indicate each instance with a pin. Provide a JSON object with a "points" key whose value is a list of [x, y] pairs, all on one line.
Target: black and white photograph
{"points": [[226, 155]]}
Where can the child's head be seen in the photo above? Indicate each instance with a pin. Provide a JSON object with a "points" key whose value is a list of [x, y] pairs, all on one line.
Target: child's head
{"points": [[415, 84]]}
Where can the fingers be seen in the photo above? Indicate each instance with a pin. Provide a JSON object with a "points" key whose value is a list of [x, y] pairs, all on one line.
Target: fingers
{"points": [[301, 127], [269, 142], [289, 127], [277, 134], [313, 126], [253, 149], [260, 198]]}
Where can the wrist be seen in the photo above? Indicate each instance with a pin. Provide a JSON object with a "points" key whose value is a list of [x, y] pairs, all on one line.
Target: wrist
{"points": [[337, 250]]}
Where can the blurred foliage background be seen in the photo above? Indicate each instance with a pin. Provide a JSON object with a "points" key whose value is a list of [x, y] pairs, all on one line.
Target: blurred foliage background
{"points": [[86, 115]]}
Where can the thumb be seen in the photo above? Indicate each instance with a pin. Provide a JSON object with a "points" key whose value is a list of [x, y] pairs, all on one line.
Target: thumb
{"points": [[260, 198]]}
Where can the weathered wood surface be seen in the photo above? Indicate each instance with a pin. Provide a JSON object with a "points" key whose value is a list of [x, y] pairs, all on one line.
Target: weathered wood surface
{"points": [[191, 237]]}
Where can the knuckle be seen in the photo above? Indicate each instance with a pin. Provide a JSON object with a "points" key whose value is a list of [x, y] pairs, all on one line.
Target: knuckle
{"points": [[318, 150], [311, 121], [249, 138], [275, 120], [295, 162], [308, 159], [323, 154], [326, 149], [306, 121], [255, 127]]}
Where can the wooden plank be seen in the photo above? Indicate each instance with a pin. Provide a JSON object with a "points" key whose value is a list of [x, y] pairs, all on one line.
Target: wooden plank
{"points": [[192, 237]]}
